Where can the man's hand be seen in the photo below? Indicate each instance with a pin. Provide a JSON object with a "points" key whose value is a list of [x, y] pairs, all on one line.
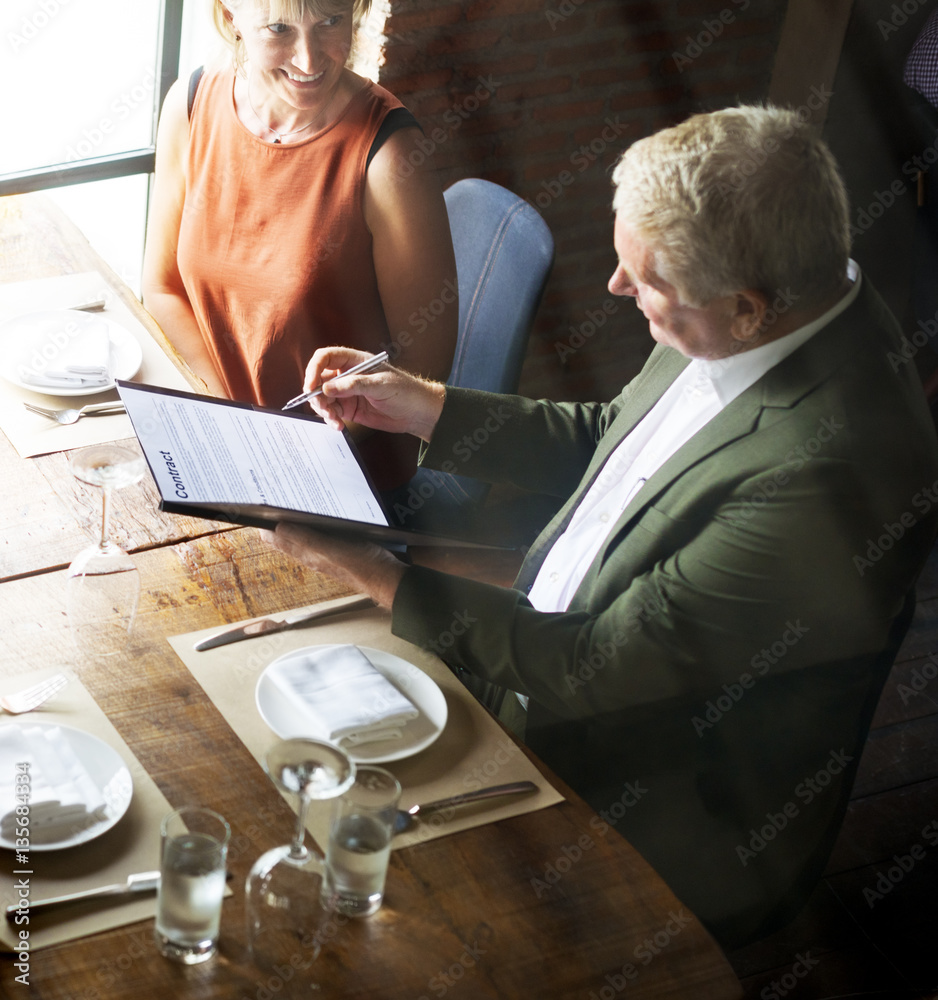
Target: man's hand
{"points": [[386, 400], [367, 568]]}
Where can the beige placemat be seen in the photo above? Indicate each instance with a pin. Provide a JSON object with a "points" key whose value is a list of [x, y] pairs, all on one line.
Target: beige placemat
{"points": [[32, 434], [473, 751], [132, 845]]}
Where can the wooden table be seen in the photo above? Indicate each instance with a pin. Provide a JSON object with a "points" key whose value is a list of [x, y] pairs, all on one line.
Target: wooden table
{"points": [[542, 905]]}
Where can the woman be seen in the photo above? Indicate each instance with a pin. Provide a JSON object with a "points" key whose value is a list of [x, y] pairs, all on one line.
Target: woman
{"points": [[285, 218]]}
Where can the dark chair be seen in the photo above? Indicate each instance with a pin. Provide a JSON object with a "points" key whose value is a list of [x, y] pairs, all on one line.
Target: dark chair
{"points": [[504, 252]]}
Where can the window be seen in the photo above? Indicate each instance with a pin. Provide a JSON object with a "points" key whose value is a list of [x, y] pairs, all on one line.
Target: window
{"points": [[82, 83]]}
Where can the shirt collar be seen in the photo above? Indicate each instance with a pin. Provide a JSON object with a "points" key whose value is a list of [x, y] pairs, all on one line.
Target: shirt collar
{"points": [[733, 375]]}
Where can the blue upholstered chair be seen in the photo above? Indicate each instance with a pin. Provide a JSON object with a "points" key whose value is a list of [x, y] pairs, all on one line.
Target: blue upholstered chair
{"points": [[504, 252]]}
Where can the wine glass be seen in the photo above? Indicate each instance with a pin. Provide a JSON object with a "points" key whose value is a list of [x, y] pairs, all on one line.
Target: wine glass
{"points": [[103, 586], [287, 918]]}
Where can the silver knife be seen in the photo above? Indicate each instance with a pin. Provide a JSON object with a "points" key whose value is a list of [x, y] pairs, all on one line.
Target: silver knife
{"points": [[142, 882], [93, 305], [266, 626], [405, 818]]}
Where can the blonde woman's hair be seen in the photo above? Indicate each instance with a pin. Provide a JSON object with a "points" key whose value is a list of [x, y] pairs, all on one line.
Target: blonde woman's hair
{"points": [[743, 198], [285, 10]]}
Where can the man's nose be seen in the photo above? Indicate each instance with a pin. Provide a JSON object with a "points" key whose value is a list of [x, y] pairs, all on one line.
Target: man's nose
{"points": [[621, 284]]}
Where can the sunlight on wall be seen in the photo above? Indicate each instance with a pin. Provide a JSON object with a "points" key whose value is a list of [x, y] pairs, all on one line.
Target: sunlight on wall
{"points": [[369, 46]]}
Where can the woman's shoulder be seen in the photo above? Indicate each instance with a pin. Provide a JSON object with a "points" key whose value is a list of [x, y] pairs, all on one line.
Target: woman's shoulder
{"points": [[370, 98], [384, 96], [375, 115], [206, 78]]}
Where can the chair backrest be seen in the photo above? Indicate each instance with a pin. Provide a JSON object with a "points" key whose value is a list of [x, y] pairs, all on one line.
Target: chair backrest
{"points": [[504, 252]]}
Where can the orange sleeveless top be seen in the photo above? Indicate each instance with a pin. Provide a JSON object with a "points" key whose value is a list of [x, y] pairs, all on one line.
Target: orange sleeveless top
{"points": [[274, 252]]}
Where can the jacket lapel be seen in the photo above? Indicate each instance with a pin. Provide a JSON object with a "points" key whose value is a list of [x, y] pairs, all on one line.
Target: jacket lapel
{"points": [[737, 420], [663, 367], [640, 395], [779, 389]]}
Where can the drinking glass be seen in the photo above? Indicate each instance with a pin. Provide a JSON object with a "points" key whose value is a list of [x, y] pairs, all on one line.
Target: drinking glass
{"points": [[194, 845], [360, 843], [103, 586], [287, 917]]}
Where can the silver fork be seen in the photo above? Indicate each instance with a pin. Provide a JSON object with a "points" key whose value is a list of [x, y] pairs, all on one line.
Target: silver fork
{"points": [[32, 697], [69, 416]]}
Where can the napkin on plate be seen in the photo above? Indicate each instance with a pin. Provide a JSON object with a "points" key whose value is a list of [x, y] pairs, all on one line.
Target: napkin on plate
{"points": [[63, 798], [81, 357], [349, 699]]}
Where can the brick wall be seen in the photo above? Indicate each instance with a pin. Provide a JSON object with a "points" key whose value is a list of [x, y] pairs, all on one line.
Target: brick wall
{"points": [[542, 96]]}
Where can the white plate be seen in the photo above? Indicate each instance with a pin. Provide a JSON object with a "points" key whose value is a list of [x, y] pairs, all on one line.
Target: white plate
{"points": [[288, 720], [106, 769], [21, 339]]}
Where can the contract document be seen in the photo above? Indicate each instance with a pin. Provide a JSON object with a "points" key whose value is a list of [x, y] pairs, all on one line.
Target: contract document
{"points": [[246, 464]]}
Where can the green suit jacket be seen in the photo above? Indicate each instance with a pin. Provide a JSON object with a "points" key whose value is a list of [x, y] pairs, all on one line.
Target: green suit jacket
{"points": [[710, 687]]}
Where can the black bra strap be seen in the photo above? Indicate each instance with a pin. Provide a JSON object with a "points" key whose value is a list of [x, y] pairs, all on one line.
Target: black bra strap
{"points": [[395, 119], [193, 87]]}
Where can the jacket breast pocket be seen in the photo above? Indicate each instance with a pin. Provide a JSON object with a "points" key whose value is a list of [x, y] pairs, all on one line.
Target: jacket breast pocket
{"points": [[651, 537], [654, 523]]}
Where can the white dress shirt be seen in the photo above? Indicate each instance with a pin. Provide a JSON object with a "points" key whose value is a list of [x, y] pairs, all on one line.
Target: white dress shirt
{"points": [[695, 397]]}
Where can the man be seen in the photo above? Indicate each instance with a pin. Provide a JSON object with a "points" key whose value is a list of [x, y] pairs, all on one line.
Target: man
{"points": [[700, 634]]}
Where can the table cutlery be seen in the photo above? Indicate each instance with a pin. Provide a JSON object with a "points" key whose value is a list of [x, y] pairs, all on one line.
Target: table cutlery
{"points": [[69, 416], [141, 882], [32, 697], [92, 305], [266, 626], [406, 818]]}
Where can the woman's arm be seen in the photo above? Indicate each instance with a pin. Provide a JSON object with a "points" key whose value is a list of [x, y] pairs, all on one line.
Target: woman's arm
{"points": [[163, 292], [413, 256]]}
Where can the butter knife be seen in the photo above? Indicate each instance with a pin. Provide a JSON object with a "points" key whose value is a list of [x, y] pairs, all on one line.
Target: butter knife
{"points": [[267, 626], [404, 819], [141, 882], [92, 305]]}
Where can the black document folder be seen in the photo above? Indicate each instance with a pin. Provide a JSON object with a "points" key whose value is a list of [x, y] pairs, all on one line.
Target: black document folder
{"points": [[245, 464]]}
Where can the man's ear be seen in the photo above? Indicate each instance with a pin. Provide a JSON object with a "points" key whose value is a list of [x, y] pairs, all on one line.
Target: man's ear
{"points": [[749, 308]]}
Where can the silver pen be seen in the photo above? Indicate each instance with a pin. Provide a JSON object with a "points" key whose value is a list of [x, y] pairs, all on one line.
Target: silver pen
{"points": [[359, 369]]}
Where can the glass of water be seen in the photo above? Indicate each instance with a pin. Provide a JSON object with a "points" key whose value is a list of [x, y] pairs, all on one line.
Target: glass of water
{"points": [[287, 918], [192, 884], [360, 843]]}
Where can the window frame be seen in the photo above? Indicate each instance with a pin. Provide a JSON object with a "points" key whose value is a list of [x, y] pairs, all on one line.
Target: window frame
{"points": [[127, 163]]}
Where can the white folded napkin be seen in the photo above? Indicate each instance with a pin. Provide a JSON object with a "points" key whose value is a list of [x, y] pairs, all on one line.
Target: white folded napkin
{"points": [[351, 702], [63, 799], [77, 357]]}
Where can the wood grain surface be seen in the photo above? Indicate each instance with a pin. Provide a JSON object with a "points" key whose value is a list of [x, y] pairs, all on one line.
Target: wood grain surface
{"points": [[551, 904]]}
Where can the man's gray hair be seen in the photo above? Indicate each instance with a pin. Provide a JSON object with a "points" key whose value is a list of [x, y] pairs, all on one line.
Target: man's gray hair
{"points": [[743, 198]]}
